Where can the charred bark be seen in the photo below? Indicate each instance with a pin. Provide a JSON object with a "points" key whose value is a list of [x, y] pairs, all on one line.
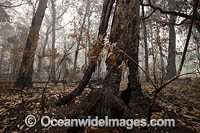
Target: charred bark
{"points": [[171, 67], [24, 76], [1, 58], [126, 95], [105, 101], [137, 98]]}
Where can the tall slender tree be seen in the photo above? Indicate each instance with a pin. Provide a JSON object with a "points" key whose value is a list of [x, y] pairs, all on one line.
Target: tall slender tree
{"points": [[145, 46], [53, 58], [24, 76], [171, 67], [87, 8]]}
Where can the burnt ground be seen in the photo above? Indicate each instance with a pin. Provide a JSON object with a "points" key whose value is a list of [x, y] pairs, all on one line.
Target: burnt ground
{"points": [[180, 101]]}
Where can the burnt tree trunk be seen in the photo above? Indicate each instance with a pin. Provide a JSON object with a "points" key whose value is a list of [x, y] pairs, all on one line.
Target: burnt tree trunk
{"points": [[125, 31], [24, 76], [53, 49], [145, 47], [1, 58], [171, 67], [161, 54], [125, 41], [197, 23]]}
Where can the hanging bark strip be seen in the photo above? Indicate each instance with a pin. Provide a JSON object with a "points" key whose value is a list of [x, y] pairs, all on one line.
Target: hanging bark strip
{"points": [[107, 8], [24, 76], [125, 31]]}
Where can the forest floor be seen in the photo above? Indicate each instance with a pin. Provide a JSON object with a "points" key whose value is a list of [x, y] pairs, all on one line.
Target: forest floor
{"points": [[180, 101]]}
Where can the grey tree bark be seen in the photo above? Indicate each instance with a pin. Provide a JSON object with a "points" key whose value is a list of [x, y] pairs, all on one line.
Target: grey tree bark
{"points": [[2, 51], [145, 47], [171, 67], [1, 58], [161, 54], [53, 58], [24, 76], [40, 62]]}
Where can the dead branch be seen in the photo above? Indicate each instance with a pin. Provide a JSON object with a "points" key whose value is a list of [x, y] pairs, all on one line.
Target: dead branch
{"points": [[11, 6], [174, 13]]}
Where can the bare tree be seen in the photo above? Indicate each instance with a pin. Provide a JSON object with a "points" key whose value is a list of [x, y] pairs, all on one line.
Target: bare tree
{"points": [[171, 67], [145, 46], [87, 8], [53, 58], [24, 76]]}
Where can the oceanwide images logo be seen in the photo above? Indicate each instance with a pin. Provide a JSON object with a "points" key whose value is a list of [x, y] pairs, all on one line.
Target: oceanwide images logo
{"points": [[46, 121]]}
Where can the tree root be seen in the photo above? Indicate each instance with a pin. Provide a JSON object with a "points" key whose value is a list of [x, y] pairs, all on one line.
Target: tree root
{"points": [[102, 103]]}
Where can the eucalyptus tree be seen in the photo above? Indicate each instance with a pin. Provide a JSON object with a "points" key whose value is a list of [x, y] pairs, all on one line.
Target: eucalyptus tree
{"points": [[24, 76], [124, 44], [171, 67]]}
